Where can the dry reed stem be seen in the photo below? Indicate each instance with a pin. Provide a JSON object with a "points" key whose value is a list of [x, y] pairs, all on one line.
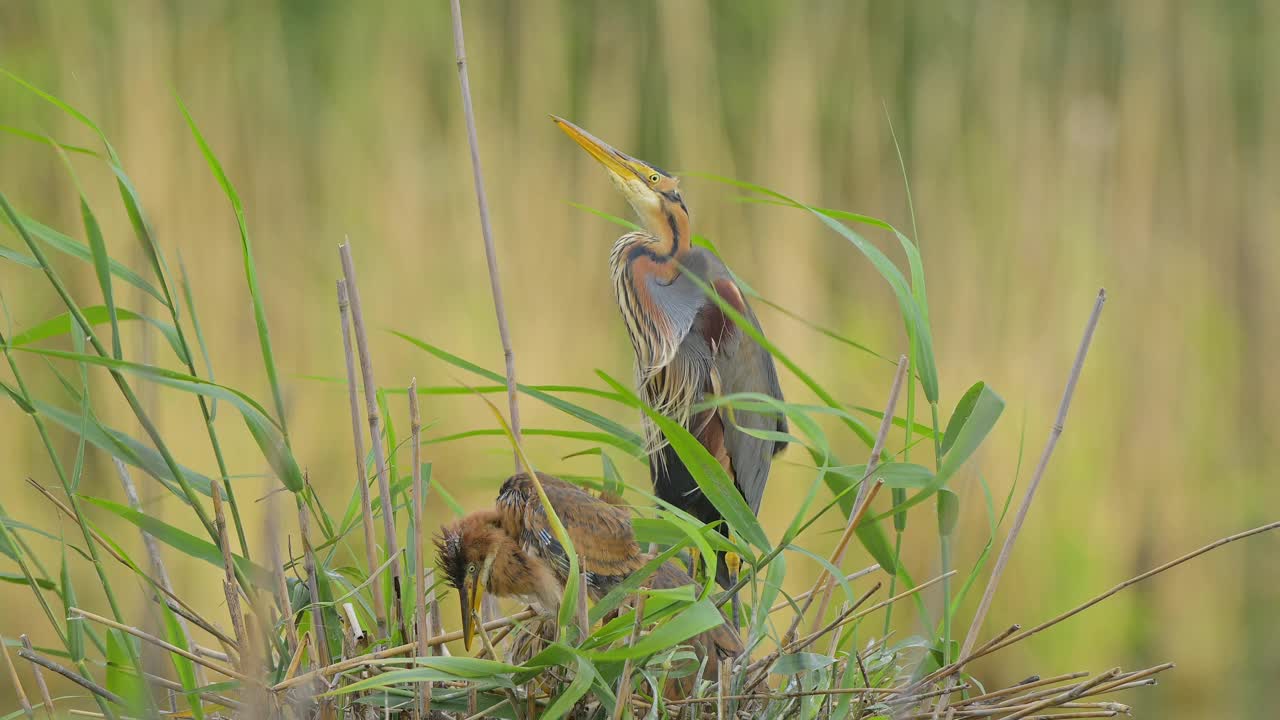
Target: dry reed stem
{"points": [[76, 612], [1012, 705], [229, 585], [791, 603], [153, 554], [433, 610], [45, 698], [313, 588], [218, 634], [392, 652], [624, 680], [296, 661], [1075, 715], [74, 677], [486, 230], [422, 704], [854, 518], [1015, 689], [17, 682], [280, 588], [787, 695], [362, 480], [1007, 549], [213, 654], [375, 430], [864, 491], [168, 684], [1121, 681], [864, 613], [838, 621], [722, 700], [1067, 696], [1127, 679], [955, 667]]}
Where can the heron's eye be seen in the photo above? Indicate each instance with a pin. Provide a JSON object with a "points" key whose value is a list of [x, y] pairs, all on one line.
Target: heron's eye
{"points": [[654, 178], [471, 569]]}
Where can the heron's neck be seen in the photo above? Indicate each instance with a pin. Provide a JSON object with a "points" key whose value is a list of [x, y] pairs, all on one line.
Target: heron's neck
{"points": [[669, 227]]}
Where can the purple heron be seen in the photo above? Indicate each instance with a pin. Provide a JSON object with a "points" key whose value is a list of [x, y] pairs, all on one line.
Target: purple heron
{"points": [[686, 348], [510, 551]]}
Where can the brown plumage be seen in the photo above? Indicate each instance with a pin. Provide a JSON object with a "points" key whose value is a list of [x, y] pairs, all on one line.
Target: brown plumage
{"points": [[510, 551]]}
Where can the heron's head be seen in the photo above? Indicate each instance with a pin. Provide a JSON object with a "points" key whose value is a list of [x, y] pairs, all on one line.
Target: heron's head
{"points": [[466, 551], [651, 192]]}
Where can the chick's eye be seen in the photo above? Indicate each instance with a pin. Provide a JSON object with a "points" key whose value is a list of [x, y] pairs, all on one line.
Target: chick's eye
{"points": [[653, 178]]}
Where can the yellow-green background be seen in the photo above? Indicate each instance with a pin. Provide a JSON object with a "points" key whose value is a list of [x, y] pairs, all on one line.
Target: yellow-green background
{"points": [[1052, 147]]}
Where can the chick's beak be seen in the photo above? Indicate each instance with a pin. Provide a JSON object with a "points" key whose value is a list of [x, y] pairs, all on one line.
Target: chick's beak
{"points": [[471, 595], [620, 164]]}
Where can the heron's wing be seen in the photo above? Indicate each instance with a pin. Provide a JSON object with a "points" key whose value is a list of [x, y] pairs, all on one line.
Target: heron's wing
{"points": [[601, 532], [738, 364]]}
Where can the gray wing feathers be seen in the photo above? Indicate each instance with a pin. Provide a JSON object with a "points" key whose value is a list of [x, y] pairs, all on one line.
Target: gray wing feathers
{"points": [[747, 367]]}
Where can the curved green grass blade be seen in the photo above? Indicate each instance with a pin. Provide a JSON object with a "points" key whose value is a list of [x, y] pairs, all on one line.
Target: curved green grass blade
{"points": [[250, 270], [577, 411], [711, 477], [127, 448], [690, 622], [268, 436], [585, 436], [46, 140], [912, 313], [96, 315], [178, 539], [67, 246]]}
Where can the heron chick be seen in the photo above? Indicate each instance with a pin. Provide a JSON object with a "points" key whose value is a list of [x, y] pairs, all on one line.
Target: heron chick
{"points": [[511, 552]]}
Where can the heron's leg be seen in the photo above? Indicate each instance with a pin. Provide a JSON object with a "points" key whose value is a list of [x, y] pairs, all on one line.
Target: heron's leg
{"points": [[733, 562], [695, 563]]}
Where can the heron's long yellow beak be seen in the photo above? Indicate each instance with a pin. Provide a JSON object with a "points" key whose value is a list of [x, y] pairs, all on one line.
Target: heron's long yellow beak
{"points": [[620, 164], [471, 595]]}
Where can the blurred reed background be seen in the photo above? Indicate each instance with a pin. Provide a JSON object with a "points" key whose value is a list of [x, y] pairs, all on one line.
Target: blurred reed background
{"points": [[1052, 147]]}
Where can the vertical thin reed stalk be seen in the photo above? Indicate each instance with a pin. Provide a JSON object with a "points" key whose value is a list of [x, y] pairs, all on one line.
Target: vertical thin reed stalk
{"points": [[486, 231], [375, 433], [423, 630], [1007, 549], [624, 680], [158, 568], [362, 480], [17, 682], [317, 611], [280, 588], [45, 698], [433, 612], [229, 583]]}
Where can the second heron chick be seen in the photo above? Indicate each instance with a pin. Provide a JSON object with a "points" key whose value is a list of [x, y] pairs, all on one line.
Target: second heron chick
{"points": [[511, 551]]}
